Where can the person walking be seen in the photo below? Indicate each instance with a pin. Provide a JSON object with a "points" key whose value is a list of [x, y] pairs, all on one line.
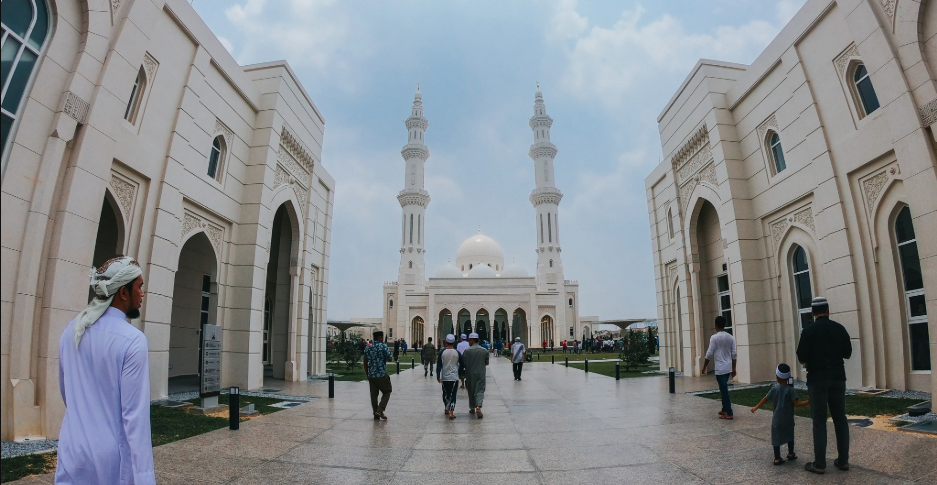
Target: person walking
{"points": [[784, 399], [448, 364], [823, 346], [462, 347], [376, 357], [518, 353], [396, 350], [476, 363], [428, 355], [722, 351], [104, 379]]}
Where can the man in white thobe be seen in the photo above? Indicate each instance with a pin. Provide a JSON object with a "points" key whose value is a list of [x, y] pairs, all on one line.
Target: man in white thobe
{"points": [[104, 379]]}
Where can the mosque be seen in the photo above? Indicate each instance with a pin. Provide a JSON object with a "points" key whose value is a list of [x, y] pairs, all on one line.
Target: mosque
{"points": [[480, 293]]}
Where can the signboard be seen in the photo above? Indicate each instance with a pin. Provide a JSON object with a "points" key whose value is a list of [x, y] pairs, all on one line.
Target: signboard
{"points": [[211, 360]]}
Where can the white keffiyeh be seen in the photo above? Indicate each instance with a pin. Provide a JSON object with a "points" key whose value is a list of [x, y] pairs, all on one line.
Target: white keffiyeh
{"points": [[105, 281]]}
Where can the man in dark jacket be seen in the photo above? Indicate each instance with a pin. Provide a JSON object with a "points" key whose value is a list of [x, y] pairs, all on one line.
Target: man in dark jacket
{"points": [[823, 346]]}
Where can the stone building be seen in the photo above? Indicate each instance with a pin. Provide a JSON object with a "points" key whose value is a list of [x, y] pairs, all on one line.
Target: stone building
{"points": [[480, 293], [809, 172], [128, 128]]}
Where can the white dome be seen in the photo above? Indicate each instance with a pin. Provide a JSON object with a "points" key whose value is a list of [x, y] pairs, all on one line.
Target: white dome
{"points": [[482, 271], [448, 271], [514, 270], [479, 250]]}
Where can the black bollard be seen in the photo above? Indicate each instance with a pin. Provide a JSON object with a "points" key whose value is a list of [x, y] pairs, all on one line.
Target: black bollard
{"points": [[412, 363], [398, 367], [617, 371], [587, 365], [673, 379], [552, 359], [331, 385], [567, 362], [234, 408]]}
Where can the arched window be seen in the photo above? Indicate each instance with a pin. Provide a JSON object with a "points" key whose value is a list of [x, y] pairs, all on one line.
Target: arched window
{"points": [[570, 302], [24, 25], [670, 223], [913, 281], [862, 84], [216, 158], [391, 303], [136, 97], [775, 152], [266, 335], [551, 263], [411, 264], [803, 294]]}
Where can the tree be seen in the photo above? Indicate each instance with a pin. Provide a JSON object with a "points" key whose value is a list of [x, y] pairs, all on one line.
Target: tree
{"points": [[634, 353], [652, 340]]}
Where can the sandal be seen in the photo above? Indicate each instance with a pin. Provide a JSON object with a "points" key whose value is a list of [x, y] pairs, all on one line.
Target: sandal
{"points": [[452, 416], [722, 413], [725, 416], [812, 469], [792, 456], [778, 461], [844, 466]]}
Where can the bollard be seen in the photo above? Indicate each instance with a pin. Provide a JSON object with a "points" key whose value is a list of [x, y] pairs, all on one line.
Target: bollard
{"points": [[673, 378], [587, 365], [398, 367], [331, 385], [617, 371], [234, 408], [412, 363], [567, 362], [552, 359]]}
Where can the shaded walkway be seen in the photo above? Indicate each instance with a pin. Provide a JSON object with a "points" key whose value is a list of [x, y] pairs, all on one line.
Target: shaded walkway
{"points": [[558, 425]]}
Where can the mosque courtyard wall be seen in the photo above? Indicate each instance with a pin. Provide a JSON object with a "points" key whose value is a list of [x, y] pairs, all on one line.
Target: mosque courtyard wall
{"points": [[801, 175], [138, 133]]}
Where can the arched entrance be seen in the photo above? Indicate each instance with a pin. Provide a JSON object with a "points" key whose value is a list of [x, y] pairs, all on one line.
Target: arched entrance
{"points": [[546, 330], [445, 326], [465, 322], [194, 304], [279, 291], [109, 241], [519, 326], [481, 324], [416, 331], [586, 333], [500, 325], [713, 279]]}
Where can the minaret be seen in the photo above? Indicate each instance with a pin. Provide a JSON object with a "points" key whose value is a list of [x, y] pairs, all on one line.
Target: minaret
{"points": [[413, 201], [546, 200]]}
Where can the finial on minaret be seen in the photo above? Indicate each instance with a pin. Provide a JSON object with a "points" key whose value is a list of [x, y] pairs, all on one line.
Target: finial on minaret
{"points": [[417, 87]]}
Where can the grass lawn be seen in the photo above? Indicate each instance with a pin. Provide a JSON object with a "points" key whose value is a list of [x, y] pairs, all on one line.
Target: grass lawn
{"points": [[855, 405], [166, 424], [343, 374], [26, 465], [560, 356], [608, 369]]}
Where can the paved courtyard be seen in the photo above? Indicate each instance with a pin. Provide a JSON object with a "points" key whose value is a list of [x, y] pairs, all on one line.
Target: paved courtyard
{"points": [[558, 425]]}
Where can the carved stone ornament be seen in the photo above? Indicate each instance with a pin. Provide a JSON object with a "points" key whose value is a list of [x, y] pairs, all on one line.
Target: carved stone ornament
{"points": [[769, 124], [802, 216], [686, 190], [292, 166], [150, 65], [672, 272], [778, 229], [546, 195], [75, 107], [805, 218], [192, 223], [418, 152], [538, 151], [125, 192], [280, 177], [224, 131], [843, 59], [699, 138], [295, 148], [872, 188], [413, 197], [929, 113], [708, 175], [888, 6]]}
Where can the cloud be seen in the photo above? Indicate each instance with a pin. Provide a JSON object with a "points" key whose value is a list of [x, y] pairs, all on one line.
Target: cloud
{"points": [[608, 64], [314, 34]]}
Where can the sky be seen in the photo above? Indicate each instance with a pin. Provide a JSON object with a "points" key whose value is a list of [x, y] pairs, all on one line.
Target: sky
{"points": [[606, 70]]}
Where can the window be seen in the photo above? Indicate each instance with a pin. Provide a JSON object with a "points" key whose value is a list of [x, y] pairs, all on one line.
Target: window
{"points": [[419, 229], [411, 264], [549, 227], [570, 302], [391, 303], [266, 349], [776, 152], [867, 100], [206, 299], [551, 263], [725, 300], [23, 26], [541, 228], [136, 97], [803, 295], [913, 281], [571, 332], [411, 228], [216, 158], [670, 223]]}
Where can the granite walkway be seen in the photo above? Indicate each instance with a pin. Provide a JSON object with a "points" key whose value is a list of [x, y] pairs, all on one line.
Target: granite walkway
{"points": [[558, 425]]}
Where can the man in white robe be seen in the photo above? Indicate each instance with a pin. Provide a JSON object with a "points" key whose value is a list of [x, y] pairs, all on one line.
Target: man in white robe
{"points": [[104, 379]]}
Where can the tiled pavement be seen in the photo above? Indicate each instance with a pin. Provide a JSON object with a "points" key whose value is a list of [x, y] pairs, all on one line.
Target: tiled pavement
{"points": [[558, 425]]}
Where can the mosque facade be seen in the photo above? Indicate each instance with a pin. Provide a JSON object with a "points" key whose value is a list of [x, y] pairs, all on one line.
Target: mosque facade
{"points": [[480, 293], [128, 128]]}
